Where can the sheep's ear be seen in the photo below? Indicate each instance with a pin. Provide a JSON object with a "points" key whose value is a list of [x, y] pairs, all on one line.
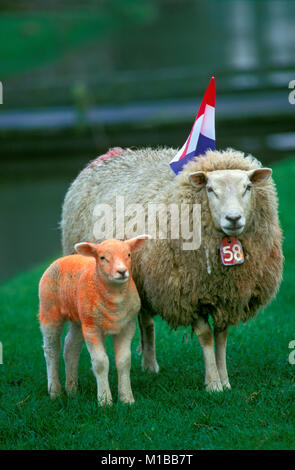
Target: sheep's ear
{"points": [[137, 242], [198, 179], [262, 174], [86, 249]]}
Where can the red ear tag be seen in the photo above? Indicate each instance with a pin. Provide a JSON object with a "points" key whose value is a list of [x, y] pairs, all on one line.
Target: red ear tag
{"points": [[231, 251]]}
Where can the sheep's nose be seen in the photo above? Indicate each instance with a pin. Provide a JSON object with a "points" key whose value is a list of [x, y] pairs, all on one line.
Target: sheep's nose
{"points": [[233, 218]]}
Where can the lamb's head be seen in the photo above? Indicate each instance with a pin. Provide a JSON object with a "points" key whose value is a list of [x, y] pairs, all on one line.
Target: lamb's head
{"points": [[230, 195], [113, 257]]}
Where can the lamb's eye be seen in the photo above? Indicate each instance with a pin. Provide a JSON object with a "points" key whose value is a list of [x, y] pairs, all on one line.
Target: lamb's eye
{"points": [[102, 257], [129, 254]]}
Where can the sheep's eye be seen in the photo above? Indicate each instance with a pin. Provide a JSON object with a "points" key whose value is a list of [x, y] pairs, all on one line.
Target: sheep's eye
{"points": [[102, 257], [211, 190], [248, 188], [129, 254]]}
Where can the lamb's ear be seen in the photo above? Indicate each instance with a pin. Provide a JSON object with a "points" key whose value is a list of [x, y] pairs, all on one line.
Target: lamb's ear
{"points": [[198, 179], [86, 249], [137, 242], [262, 174]]}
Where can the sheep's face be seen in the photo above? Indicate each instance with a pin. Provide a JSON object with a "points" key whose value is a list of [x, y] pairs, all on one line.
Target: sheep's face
{"points": [[230, 196]]}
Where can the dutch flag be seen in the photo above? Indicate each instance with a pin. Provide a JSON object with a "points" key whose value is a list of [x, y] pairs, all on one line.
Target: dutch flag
{"points": [[202, 135]]}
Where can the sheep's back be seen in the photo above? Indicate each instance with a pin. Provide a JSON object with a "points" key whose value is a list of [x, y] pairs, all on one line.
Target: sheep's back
{"points": [[137, 176]]}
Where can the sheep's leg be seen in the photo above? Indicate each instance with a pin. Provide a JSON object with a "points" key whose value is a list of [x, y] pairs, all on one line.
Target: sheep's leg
{"points": [[220, 354], [122, 346], [205, 336], [52, 345], [72, 350], [148, 348], [100, 366]]}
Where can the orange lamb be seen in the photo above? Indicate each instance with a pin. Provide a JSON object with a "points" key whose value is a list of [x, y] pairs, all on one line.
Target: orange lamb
{"points": [[94, 291]]}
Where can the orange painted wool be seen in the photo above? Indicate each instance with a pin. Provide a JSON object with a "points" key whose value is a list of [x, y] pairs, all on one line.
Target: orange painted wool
{"points": [[71, 290]]}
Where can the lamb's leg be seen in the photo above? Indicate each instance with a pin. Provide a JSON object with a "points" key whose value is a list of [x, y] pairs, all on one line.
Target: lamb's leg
{"points": [[52, 345], [220, 354], [72, 349], [122, 346], [148, 348], [205, 336], [100, 366]]}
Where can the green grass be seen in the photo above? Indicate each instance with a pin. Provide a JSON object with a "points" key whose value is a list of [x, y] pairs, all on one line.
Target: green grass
{"points": [[172, 410]]}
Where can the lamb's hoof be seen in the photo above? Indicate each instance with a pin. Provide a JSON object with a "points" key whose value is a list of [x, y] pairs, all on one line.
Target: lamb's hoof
{"points": [[214, 386], [55, 391], [226, 385], [139, 349], [150, 366]]}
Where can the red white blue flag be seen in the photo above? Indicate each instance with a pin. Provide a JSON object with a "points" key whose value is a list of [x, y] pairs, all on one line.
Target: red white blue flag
{"points": [[202, 135]]}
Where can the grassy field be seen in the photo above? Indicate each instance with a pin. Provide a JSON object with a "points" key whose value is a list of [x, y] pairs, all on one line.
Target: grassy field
{"points": [[172, 410]]}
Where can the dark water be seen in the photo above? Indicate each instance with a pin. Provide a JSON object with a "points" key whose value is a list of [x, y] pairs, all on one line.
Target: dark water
{"points": [[168, 52], [29, 228], [31, 209], [140, 84]]}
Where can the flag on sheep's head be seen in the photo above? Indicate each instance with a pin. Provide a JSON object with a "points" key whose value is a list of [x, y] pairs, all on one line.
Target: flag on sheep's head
{"points": [[202, 135]]}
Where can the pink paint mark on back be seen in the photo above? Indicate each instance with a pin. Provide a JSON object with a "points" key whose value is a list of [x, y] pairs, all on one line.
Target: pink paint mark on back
{"points": [[110, 154]]}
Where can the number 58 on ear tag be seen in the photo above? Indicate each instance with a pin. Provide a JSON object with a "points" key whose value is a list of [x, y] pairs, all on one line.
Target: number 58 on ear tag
{"points": [[231, 251]]}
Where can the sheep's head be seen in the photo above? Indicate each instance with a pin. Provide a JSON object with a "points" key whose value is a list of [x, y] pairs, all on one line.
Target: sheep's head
{"points": [[230, 194]]}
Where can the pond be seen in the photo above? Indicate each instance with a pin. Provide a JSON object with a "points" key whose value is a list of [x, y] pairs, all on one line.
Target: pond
{"points": [[137, 83]]}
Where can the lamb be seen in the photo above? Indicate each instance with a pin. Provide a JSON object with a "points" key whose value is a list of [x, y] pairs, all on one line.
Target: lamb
{"points": [[238, 199], [95, 292]]}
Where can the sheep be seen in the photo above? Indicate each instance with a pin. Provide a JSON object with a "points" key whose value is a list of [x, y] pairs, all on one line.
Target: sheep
{"points": [[95, 292], [238, 199]]}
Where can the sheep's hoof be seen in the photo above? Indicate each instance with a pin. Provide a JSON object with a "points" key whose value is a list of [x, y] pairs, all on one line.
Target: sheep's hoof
{"points": [[150, 366], [71, 389], [226, 385], [55, 391], [127, 400], [105, 401], [139, 349], [214, 387]]}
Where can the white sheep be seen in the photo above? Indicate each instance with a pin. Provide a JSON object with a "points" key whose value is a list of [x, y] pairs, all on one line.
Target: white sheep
{"points": [[238, 199]]}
